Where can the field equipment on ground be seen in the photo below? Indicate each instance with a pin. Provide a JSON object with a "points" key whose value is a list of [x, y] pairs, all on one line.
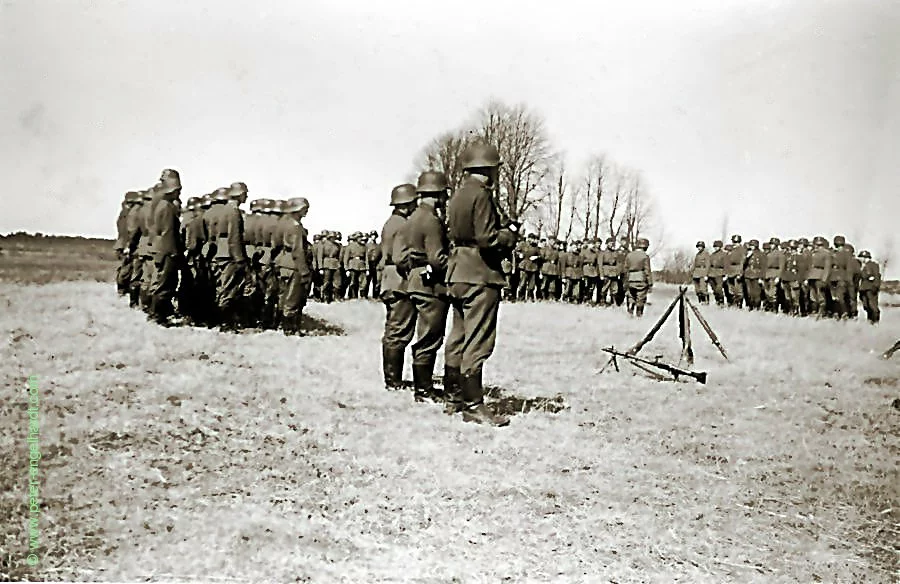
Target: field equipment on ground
{"points": [[684, 333], [890, 352]]}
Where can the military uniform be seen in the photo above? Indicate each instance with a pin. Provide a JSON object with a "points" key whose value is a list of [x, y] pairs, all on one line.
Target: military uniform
{"points": [[574, 270], [230, 260], [700, 273], [399, 322], [853, 278], [590, 272], [474, 279], [791, 276], [639, 277], [839, 279], [328, 260], [869, 286], [734, 273], [123, 272], [818, 277], [754, 272], [292, 264], [354, 260], [142, 267], [716, 273], [613, 270], [550, 271], [775, 261], [529, 255]]}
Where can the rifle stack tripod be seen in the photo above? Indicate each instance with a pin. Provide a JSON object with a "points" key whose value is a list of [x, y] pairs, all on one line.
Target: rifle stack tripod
{"points": [[684, 333]]}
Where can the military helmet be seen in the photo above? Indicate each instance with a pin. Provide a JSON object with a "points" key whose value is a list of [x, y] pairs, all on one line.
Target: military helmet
{"points": [[532, 236], [849, 248], [295, 204], [256, 204], [237, 190], [169, 181], [792, 244], [766, 245], [610, 240], [701, 244], [220, 195], [403, 194], [775, 241], [480, 154], [206, 201], [753, 243], [839, 240], [865, 254], [133, 197], [642, 243], [338, 236], [736, 238], [729, 247], [819, 240], [718, 243], [432, 181], [192, 203], [803, 241]]}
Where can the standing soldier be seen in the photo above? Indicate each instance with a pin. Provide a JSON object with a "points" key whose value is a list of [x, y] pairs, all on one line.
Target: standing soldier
{"points": [[700, 273], [734, 271], [613, 271], [869, 285], [399, 322], [575, 272], [508, 268], [717, 261], [804, 248], [123, 272], [590, 270], [135, 226], [423, 260], [373, 261], [252, 293], [328, 261], [474, 278], [168, 251], [775, 261], [819, 276], [292, 263], [271, 243], [230, 260], [791, 276], [550, 269], [840, 277], [529, 258], [621, 253], [354, 260], [563, 270], [142, 271], [754, 272], [639, 276], [195, 300], [853, 277]]}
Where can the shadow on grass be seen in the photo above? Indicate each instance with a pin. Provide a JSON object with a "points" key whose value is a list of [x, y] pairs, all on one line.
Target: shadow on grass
{"points": [[504, 402]]}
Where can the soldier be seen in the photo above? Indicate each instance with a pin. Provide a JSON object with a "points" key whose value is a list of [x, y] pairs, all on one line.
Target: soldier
{"points": [[373, 262], [819, 275], [791, 276], [135, 222], [529, 255], [194, 293], [804, 248], [853, 278], [775, 260], [399, 322], [354, 261], [252, 290], [869, 285], [716, 273], [328, 260], [754, 272], [230, 261], [639, 276], [700, 273], [839, 278], [168, 250], [423, 262], [270, 240], [508, 268], [734, 271], [142, 272], [550, 269], [621, 253], [123, 272], [474, 279], [613, 270], [590, 270], [574, 272], [292, 263]]}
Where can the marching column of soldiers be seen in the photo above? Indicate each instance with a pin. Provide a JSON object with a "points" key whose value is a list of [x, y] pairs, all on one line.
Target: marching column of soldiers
{"points": [[797, 277]]}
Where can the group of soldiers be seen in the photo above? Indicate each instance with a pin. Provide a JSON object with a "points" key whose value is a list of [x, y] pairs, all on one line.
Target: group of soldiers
{"points": [[212, 264], [797, 277], [589, 272]]}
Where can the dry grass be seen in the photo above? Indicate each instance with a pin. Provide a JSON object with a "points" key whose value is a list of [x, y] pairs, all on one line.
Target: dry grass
{"points": [[190, 454], [40, 260]]}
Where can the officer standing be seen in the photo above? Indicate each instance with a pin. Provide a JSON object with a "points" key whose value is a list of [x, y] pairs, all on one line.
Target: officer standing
{"points": [[717, 261], [292, 263], [869, 285], [168, 251], [231, 255], [423, 261], [373, 261], [132, 246], [754, 271], [529, 260], [791, 276], [819, 276], [399, 322], [475, 278], [550, 269], [734, 271], [839, 279], [639, 276], [775, 260], [700, 273], [590, 271], [354, 260], [270, 277], [123, 272], [329, 262]]}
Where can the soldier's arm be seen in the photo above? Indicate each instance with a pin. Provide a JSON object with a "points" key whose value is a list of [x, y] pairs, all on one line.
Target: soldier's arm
{"points": [[134, 230], [299, 251], [484, 222], [828, 263], [236, 236], [435, 246], [648, 271]]}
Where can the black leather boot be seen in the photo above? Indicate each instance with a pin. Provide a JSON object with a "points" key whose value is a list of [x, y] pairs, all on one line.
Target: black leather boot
{"points": [[423, 381], [392, 366], [453, 400], [476, 410]]}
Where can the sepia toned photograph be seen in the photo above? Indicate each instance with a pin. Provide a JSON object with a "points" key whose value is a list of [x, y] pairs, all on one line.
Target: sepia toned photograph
{"points": [[375, 292]]}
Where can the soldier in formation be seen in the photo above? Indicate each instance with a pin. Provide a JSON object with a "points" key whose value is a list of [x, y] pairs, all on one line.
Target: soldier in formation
{"points": [[794, 276]]}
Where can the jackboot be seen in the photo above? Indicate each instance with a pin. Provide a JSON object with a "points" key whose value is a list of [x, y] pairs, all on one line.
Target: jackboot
{"points": [[392, 366], [134, 297], [476, 410], [423, 381], [453, 400]]}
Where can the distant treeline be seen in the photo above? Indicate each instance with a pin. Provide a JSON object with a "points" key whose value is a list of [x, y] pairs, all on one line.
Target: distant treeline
{"points": [[22, 236]]}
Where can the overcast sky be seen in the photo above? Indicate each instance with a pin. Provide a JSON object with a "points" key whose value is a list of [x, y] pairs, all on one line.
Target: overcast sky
{"points": [[783, 117]]}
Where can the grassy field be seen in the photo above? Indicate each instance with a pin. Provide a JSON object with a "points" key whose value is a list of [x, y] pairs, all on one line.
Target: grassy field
{"points": [[182, 454]]}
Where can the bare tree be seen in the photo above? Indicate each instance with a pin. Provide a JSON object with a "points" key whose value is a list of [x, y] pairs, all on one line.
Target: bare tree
{"points": [[553, 200], [520, 136], [887, 254], [443, 153]]}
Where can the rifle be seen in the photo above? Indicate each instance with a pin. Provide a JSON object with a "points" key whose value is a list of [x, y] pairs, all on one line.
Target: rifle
{"points": [[676, 371], [890, 352]]}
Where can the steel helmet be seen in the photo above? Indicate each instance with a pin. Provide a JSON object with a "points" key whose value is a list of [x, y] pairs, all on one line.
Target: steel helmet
{"points": [[718, 243], [480, 154], [849, 248], [865, 254], [257, 204], [819, 240], [766, 245], [206, 201], [221, 195], [839, 240], [192, 203], [753, 243], [133, 197], [803, 241], [432, 181], [237, 190], [295, 205], [642, 243], [701, 244], [403, 194], [736, 239], [775, 241]]}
